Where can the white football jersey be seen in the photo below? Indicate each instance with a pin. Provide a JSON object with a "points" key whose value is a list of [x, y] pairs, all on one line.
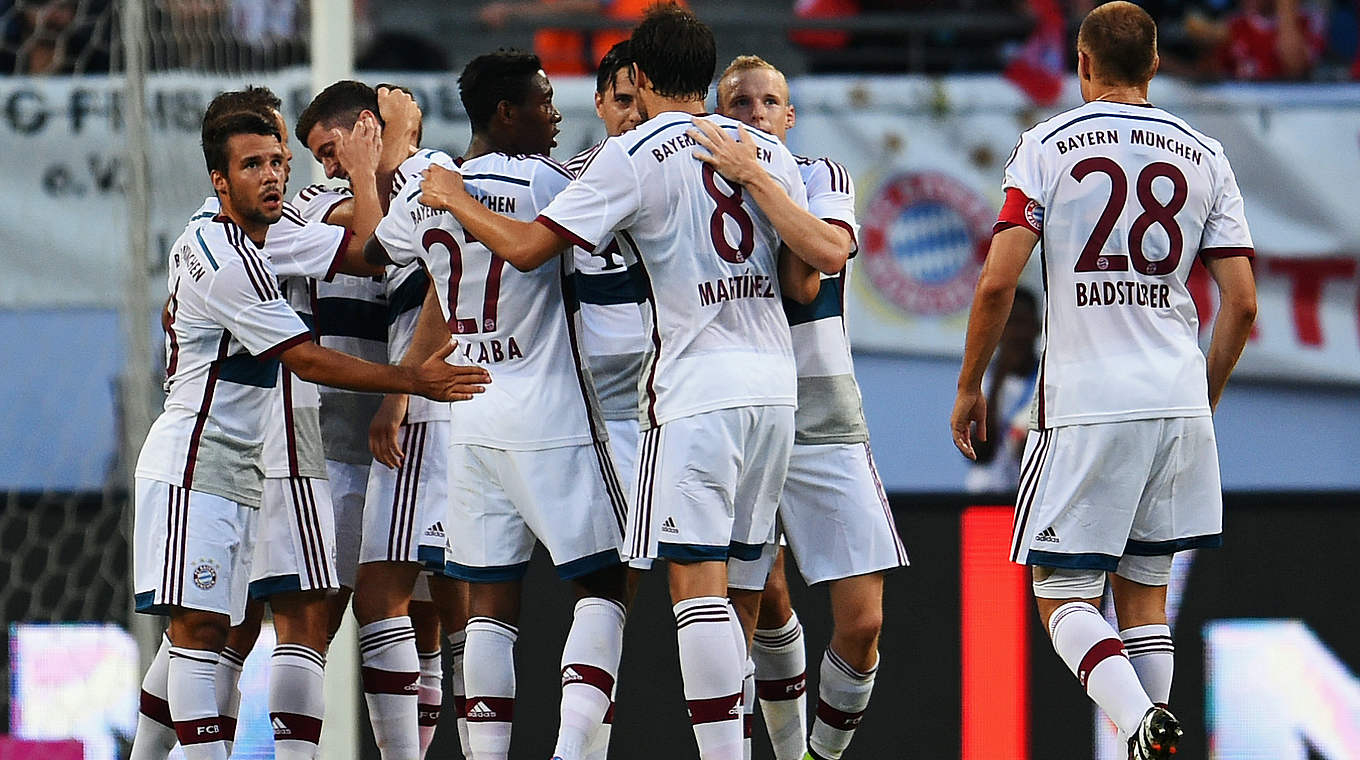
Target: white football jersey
{"points": [[228, 322], [348, 314], [830, 409], [717, 333], [1128, 196], [406, 286], [511, 322], [299, 251], [612, 337]]}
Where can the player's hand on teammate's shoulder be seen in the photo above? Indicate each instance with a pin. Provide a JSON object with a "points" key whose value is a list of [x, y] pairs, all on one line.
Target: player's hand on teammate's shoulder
{"points": [[442, 381], [440, 187], [735, 159], [969, 415], [358, 150]]}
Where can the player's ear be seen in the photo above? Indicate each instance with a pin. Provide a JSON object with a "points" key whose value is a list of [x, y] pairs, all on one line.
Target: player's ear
{"points": [[640, 79], [1156, 64], [790, 118], [1083, 65], [599, 105], [505, 111], [219, 181]]}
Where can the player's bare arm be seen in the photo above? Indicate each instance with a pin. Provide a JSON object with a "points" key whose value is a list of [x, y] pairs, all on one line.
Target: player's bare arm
{"points": [[798, 281], [401, 117], [434, 378], [821, 244], [431, 334], [1232, 326], [1010, 251], [526, 245], [358, 151]]}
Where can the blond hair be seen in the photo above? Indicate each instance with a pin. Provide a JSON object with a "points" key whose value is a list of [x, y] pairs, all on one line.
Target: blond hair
{"points": [[744, 63]]}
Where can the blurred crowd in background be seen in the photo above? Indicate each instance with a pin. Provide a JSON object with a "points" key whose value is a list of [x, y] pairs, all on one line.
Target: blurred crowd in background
{"points": [[1253, 40]]}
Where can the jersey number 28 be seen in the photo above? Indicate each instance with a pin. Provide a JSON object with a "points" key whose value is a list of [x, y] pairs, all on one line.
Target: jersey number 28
{"points": [[1154, 212]]}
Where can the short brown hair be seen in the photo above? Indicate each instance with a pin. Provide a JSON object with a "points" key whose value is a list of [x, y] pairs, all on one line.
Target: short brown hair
{"points": [[743, 63], [1121, 39]]}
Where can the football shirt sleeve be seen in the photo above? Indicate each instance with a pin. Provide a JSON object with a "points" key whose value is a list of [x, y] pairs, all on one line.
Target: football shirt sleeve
{"points": [[1024, 187], [299, 248], [316, 202], [396, 232], [1225, 230], [604, 198], [831, 196], [243, 298]]}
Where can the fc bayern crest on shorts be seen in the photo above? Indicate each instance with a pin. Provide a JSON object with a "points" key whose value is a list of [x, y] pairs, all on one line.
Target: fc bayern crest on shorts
{"points": [[923, 239], [205, 574]]}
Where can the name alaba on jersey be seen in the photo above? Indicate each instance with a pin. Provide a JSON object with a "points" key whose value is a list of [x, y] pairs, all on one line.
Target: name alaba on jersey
{"points": [[514, 323], [1124, 198]]}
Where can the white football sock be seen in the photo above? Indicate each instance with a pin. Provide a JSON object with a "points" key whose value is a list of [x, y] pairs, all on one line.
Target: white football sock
{"points": [[842, 695], [780, 657], [387, 653], [193, 703], [1093, 652], [489, 675], [598, 748], [712, 675], [430, 696], [227, 686], [590, 662], [297, 681], [155, 735], [1153, 656], [457, 641]]}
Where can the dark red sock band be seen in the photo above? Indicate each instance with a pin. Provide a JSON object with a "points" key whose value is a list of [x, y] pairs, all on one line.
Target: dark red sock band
{"points": [[1097, 654], [838, 719], [490, 709], [157, 709], [295, 727], [201, 731], [589, 675], [780, 689], [714, 710]]}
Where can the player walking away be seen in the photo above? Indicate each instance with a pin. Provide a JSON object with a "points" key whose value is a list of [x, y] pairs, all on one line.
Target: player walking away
{"points": [[612, 339], [718, 383], [532, 461], [200, 475], [293, 566], [833, 511], [1120, 470], [405, 500]]}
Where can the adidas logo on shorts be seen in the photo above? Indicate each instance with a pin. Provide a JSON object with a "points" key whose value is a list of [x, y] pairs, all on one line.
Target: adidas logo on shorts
{"points": [[281, 728], [436, 530], [481, 711], [1049, 535], [669, 526]]}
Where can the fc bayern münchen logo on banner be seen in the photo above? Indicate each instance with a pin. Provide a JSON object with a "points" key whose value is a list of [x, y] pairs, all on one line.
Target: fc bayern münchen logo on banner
{"points": [[925, 235]]}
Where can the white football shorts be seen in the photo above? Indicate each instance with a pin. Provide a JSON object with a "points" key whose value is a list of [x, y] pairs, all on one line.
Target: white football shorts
{"points": [[295, 540], [190, 550], [348, 486], [1090, 494], [567, 497], [834, 516], [405, 508], [708, 485], [623, 446]]}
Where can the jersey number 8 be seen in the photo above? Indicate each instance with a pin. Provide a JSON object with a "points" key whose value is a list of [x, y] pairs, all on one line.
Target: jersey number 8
{"points": [[728, 206]]}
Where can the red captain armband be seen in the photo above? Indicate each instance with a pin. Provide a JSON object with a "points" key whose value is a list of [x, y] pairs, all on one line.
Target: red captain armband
{"points": [[1020, 211]]}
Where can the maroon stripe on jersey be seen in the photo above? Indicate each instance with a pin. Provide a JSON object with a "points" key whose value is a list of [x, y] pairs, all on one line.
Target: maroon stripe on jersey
{"points": [[715, 710], [295, 727], [292, 215], [156, 709], [196, 436], [838, 719], [656, 330], [201, 731], [339, 254], [555, 166], [1097, 654], [1227, 252], [171, 308], [564, 233], [278, 348], [289, 434], [250, 254], [782, 689], [377, 681], [588, 675], [854, 243], [326, 217], [258, 281]]}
